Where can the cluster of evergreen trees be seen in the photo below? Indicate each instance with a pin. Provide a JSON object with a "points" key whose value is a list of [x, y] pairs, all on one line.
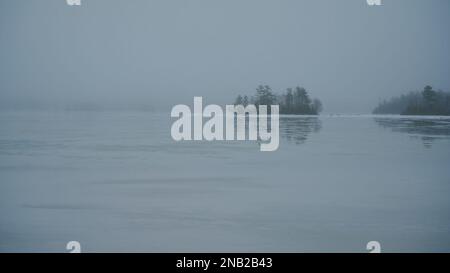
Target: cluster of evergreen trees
{"points": [[427, 102], [294, 101]]}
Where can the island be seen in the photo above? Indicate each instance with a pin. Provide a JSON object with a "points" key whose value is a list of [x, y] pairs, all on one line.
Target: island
{"points": [[426, 102], [295, 101]]}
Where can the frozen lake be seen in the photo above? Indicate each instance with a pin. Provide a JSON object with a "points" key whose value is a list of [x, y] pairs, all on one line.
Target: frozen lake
{"points": [[116, 181]]}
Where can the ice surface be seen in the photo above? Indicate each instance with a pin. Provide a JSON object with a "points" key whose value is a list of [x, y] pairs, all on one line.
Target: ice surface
{"points": [[116, 181]]}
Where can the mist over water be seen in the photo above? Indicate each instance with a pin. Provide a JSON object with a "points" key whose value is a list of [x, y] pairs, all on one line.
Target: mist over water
{"points": [[115, 54], [86, 152], [116, 181]]}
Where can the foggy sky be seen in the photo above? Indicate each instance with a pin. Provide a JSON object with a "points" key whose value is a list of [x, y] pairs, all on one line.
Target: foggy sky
{"points": [[164, 52]]}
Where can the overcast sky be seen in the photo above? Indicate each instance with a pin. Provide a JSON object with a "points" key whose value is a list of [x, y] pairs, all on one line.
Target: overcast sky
{"points": [[163, 52]]}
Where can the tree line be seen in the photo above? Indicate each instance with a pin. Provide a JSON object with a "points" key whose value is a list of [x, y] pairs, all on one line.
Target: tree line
{"points": [[426, 102], [294, 101]]}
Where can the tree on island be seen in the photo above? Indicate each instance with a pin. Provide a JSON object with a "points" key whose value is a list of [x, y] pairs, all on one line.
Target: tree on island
{"points": [[264, 96], [293, 101], [245, 101], [427, 102], [238, 100]]}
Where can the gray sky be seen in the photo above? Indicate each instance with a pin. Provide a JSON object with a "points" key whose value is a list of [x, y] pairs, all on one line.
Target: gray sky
{"points": [[163, 52]]}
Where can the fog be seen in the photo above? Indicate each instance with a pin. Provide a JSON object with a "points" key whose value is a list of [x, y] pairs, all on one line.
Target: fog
{"points": [[155, 54]]}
